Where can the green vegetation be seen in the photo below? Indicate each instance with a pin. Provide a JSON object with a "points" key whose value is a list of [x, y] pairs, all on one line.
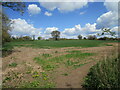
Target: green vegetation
{"points": [[55, 44], [49, 64], [13, 64], [104, 74]]}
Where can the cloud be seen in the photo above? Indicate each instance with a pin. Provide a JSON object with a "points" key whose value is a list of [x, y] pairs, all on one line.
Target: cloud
{"points": [[89, 29], [48, 14], [109, 19], [111, 6], [81, 13], [34, 9], [63, 6], [72, 31], [20, 28], [47, 32]]}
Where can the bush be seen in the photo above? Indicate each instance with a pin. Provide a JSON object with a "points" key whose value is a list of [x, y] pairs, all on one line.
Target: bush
{"points": [[90, 37], [104, 74]]}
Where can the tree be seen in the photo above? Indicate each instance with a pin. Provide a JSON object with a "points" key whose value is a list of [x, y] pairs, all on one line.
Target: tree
{"points": [[39, 38], [55, 35], [5, 28], [79, 37], [92, 37], [15, 6], [27, 38], [6, 22], [84, 38]]}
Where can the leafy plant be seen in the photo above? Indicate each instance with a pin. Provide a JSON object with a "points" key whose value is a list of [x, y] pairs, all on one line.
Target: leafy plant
{"points": [[13, 64]]}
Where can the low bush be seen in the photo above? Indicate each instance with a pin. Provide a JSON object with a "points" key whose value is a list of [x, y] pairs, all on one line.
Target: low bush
{"points": [[104, 74]]}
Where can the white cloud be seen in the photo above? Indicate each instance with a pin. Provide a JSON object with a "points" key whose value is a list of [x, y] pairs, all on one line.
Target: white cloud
{"points": [[63, 6], [47, 32], [76, 30], [72, 31], [48, 14], [109, 19], [111, 6], [34, 9], [20, 28], [81, 13]]}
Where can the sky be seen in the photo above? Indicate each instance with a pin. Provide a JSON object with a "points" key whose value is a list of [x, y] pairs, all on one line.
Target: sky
{"points": [[70, 18]]}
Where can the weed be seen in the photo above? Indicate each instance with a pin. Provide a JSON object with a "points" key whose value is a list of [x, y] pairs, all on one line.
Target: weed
{"points": [[104, 74], [46, 55], [13, 64], [56, 51], [35, 76], [65, 74]]}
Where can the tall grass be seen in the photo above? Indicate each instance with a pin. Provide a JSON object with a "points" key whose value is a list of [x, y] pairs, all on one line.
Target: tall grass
{"points": [[104, 74]]}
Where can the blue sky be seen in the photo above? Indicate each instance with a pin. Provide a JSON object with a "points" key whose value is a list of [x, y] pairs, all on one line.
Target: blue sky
{"points": [[71, 19]]}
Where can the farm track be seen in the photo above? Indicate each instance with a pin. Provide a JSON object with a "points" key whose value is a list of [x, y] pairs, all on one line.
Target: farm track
{"points": [[24, 58]]}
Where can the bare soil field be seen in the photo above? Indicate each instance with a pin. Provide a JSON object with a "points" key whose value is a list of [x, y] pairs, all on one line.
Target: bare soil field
{"points": [[18, 69]]}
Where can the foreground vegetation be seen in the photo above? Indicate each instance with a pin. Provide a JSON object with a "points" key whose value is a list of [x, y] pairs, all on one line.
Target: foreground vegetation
{"points": [[105, 74]]}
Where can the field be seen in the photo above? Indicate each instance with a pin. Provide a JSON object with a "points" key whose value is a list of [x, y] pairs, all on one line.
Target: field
{"points": [[53, 64]]}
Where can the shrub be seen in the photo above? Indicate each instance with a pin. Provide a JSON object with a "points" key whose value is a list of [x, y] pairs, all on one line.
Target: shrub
{"points": [[90, 37], [104, 74]]}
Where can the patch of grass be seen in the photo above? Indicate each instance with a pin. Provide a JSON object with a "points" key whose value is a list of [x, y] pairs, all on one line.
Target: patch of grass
{"points": [[46, 55], [35, 76], [104, 74], [46, 64], [13, 64], [74, 51], [65, 74], [78, 55], [70, 63], [7, 79], [56, 44]]}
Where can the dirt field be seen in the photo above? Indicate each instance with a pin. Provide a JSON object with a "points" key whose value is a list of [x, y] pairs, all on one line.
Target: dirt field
{"points": [[63, 77]]}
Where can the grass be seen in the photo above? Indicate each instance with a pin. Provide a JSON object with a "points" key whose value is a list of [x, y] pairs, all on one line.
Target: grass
{"points": [[13, 64], [49, 64], [104, 74], [55, 44]]}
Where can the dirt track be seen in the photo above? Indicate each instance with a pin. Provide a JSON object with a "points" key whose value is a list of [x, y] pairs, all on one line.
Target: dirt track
{"points": [[24, 58]]}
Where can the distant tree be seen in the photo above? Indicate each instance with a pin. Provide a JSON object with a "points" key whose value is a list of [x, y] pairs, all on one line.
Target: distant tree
{"points": [[92, 37], [27, 38], [79, 37], [84, 38], [55, 35], [39, 38]]}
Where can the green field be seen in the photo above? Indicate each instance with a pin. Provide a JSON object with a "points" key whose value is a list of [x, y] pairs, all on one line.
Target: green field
{"points": [[56, 44]]}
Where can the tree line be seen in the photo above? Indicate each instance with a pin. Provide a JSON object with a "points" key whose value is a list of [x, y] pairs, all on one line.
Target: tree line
{"points": [[20, 7]]}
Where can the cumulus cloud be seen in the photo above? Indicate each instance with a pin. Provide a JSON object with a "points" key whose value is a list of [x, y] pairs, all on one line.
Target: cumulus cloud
{"points": [[89, 29], [72, 31], [34, 9], [48, 14], [63, 6], [109, 19], [48, 30], [20, 28]]}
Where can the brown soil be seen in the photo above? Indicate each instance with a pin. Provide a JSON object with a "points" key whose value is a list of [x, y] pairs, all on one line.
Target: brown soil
{"points": [[74, 79]]}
